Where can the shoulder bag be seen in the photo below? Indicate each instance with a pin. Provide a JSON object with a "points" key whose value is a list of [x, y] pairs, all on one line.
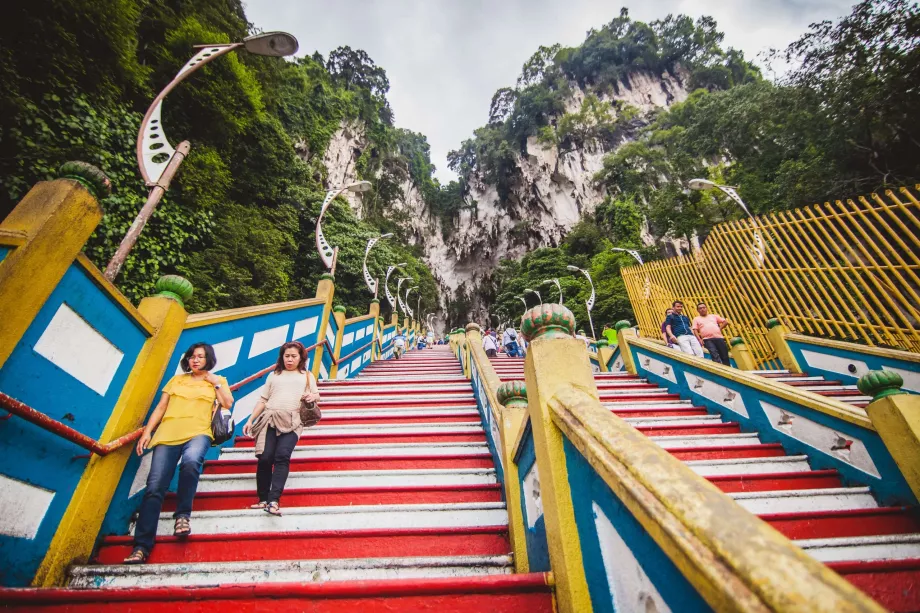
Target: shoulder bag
{"points": [[309, 411]]}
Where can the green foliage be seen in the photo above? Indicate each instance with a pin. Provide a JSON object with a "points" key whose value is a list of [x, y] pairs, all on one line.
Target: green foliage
{"points": [[240, 215]]}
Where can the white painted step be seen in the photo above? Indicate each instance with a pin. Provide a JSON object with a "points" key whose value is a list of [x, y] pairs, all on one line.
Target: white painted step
{"points": [[826, 388], [647, 391], [356, 451], [352, 517], [311, 571], [682, 420], [471, 427], [354, 478], [627, 404], [796, 378], [750, 466], [400, 412], [769, 372], [397, 387], [408, 396], [707, 440], [800, 501], [863, 548]]}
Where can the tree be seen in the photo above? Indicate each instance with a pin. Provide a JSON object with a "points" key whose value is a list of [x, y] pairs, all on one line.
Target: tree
{"points": [[355, 69]]}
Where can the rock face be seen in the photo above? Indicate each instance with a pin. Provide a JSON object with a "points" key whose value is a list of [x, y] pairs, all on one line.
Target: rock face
{"points": [[340, 159], [550, 193]]}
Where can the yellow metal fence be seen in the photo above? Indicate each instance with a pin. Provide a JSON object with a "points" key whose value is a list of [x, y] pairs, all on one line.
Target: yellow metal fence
{"points": [[848, 269]]}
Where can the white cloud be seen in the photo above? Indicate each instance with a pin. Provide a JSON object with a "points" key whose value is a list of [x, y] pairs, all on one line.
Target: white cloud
{"points": [[446, 58]]}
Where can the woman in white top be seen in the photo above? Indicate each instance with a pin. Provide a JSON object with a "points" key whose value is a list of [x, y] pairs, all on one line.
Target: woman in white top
{"points": [[275, 423]]}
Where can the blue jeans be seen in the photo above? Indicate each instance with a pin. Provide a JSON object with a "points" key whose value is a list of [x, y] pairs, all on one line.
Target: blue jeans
{"points": [[162, 468]]}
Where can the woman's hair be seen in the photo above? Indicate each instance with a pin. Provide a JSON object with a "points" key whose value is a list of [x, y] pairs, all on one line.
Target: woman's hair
{"points": [[302, 366], [210, 360]]}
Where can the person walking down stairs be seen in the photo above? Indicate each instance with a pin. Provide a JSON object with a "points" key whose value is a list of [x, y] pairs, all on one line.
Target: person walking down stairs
{"points": [[275, 423], [182, 420]]}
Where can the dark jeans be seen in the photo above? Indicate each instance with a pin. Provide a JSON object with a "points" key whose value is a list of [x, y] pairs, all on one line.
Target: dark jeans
{"points": [[718, 350], [491, 353], [162, 468], [276, 455]]}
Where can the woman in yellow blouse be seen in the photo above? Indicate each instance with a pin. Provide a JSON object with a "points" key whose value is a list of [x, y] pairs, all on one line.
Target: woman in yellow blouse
{"points": [[184, 419]]}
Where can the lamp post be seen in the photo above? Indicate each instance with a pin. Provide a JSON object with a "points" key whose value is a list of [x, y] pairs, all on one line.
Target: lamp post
{"points": [[558, 286], [370, 281], [386, 287], [157, 160], [408, 308], [632, 252], [402, 305], [325, 249], [533, 291], [521, 298], [757, 249], [589, 303]]}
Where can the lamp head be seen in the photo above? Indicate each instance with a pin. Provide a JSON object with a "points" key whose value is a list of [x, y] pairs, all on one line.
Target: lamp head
{"points": [[701, 184], [527, 289], [387, 235], [573, 268], [359, 186], [274, 44]]}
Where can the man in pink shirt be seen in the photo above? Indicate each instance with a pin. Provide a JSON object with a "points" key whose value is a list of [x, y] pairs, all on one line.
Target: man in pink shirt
{"points": [[708, 328]]}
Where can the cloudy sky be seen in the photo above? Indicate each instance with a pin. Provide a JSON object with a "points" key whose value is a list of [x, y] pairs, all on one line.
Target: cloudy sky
{"points": [[445, 58]]}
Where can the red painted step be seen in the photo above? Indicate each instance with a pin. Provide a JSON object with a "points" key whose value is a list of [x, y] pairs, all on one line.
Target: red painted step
{"points": [[895, 584], [483, 460], [374, 439], [808, 480], [424, 418], [856, 522], [406, 401], [323, 385], [494, 593], [729, 452], [727, 427], [475, 541], [661, 412], [218, 501]]}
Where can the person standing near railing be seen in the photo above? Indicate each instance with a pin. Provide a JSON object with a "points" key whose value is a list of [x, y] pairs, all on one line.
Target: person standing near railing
{"points": [[182, 420], [664, 328], [489, 344], [275, 423], [680, 331], [708, 328]]}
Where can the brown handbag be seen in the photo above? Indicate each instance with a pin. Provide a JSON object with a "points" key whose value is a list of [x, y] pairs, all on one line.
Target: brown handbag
{"points": [[309, 411]]}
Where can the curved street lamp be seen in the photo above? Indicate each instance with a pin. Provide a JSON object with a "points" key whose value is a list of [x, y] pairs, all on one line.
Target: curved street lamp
{"points": [[326, 253], [157, 160], [408, 308], [370, 281], [386, 287], [647, 284], [533, 291], [521, 298], [402, 305], [758, 250], [632, 252], [589, 303], [558, 286]]}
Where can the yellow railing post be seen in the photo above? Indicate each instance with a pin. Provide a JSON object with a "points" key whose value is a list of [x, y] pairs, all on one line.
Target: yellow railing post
{"points": [[48, 229], [374, 312], [325, 290], [624, 333], [338, 313], [776, 335], [741, 354], [603, 354], [466, 339], [76, 534], [896, 417], [557, 360], [512, 395]]}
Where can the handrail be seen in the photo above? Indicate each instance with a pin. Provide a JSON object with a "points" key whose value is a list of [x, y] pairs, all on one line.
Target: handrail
{"points": [[733, 559], [873, 350], [356, 351]]}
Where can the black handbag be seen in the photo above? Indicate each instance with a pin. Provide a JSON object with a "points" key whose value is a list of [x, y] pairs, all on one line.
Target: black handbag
{"points": [[309, 411], [222, 425]]}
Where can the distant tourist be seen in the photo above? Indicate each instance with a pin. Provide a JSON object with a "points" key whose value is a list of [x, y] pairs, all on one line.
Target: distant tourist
{"points": [[680, 332], [489, 344], [509, 342], [664, 328], [610, 333], [182, 420], [708, 327], [275, 423]]}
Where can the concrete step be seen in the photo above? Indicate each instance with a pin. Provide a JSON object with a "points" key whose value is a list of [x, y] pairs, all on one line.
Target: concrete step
{"points": [[690, 420], [750, 466], [391, 449], [863, 548], [800, 501], [354, 478], [282, 571]]}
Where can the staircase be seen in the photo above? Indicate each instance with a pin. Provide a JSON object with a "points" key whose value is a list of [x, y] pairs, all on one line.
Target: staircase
{"points": [[876, 548], [392, 504]]}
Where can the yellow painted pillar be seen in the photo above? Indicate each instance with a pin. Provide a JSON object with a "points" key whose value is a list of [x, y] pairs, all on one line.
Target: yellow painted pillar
{"points": [[512, 395], [624, 333], [394, 319], [603, 354], [776, 335], [76, 534], [338, 313], [557, 360], [374, 312], [325, 290], [467, 337], [743, 357], [896, 417], [52, 223]]}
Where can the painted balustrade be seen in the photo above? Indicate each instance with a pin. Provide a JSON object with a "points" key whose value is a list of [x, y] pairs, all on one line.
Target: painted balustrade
{"points": [[79, 354]]}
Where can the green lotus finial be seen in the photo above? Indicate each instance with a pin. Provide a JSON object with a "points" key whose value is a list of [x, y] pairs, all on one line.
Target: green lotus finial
{"points": [[512, 393], [473, 326], [173, 286], [880, 383], [772, 323], [338, 309], [622, 325], [736, 341], [328, 276], [93, 179], [547, 321], [375, 301], [601, 342]]}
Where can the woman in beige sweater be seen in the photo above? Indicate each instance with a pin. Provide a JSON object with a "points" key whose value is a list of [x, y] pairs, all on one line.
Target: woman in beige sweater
{"points": [[275, 423]]}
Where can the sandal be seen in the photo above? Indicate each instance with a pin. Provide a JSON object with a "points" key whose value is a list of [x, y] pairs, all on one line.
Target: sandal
{"points": [[259, 505], [273, 508], [183, 527], [138, 556]]}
